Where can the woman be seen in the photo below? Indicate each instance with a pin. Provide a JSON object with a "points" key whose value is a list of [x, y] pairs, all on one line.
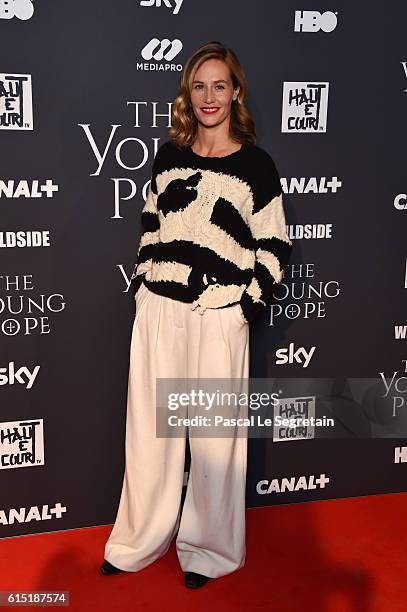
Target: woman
{"points": [[214, 243]]}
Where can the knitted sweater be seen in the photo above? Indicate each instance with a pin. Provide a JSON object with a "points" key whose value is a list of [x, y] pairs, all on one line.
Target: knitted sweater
{"points": [[213, 229]]}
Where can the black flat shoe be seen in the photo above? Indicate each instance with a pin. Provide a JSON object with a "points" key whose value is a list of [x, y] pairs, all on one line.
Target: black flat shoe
{"points": [[194, 581], [107, 568]]}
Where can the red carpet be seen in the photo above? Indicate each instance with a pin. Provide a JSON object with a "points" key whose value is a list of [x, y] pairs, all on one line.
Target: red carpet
{"points": [[328, 556]]}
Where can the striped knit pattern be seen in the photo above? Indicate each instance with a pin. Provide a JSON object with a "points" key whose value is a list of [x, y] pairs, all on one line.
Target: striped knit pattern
{"points": [[213, 229]]}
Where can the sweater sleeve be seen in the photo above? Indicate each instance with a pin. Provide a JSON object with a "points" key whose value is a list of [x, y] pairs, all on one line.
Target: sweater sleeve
{"points": [[150, 233], [272, 246]]}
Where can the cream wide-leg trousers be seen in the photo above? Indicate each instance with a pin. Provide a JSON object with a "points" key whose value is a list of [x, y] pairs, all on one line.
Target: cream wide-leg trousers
{"points": [[170, 340]]}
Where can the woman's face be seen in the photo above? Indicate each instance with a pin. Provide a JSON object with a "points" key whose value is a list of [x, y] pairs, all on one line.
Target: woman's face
{"points": [[212, 93]]}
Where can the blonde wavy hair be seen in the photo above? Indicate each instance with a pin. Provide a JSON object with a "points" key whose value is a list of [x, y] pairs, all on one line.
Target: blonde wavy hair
{"points": [[184, 125]]}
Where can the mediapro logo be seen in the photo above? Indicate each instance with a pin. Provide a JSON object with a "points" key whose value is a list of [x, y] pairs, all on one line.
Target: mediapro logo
{"points": [[22, 9], [9, 375], [161, 49], [313, 21]]}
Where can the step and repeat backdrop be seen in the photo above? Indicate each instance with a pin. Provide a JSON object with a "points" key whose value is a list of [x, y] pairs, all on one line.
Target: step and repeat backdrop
{"points": [[85, 99]]}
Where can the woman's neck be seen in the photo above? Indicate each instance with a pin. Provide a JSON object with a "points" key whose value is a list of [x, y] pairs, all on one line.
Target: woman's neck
{"points": [[212, 147], [214, 142]]}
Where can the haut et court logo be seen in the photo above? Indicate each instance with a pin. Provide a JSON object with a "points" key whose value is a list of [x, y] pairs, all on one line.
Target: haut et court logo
{"points": [[15, 102], [305, 107]]}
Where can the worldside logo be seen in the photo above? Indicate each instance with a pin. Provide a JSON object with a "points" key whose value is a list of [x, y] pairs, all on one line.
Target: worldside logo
{"points": [[175, 4], [21, 444], [22, 9], [309, 231], [314, 21], [305, 107], [294, 483], [27, 189], [22, 376], [160, 50], [24, 239], [34, 513], [15, 102]]}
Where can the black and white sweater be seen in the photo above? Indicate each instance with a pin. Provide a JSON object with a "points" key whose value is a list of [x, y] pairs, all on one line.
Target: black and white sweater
{"points": [[213, 229]]}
